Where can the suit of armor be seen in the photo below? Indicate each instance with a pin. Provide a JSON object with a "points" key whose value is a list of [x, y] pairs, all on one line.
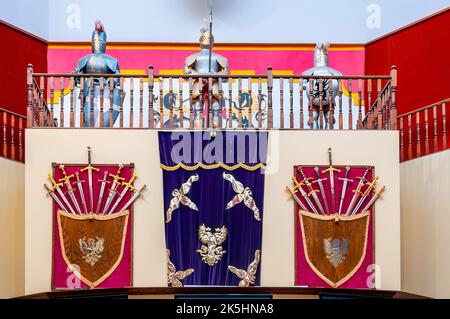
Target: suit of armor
{"points": [[99, 63], [199, 63], [321, 68]]}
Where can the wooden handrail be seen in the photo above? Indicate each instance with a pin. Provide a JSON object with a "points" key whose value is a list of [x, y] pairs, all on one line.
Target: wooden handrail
{"points": [[216, 76], [12, 135], [263, 101], [423, 108], [422, 133], [13, 113]]}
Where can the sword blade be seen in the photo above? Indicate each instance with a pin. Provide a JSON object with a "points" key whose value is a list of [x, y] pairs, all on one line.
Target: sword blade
{"points": [[333, 195], [131, 200], [344, 190], [354, 199], [56, 199], [100, 197], [324, 197], [83, 199], [74, 200], [322, 189], [65, 200], [316, 199], [358, 206], [111, 195], [370, 203], [124, 191], [91, 191]]}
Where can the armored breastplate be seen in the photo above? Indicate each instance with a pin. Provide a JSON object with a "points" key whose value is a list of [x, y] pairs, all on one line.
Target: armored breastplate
{"points": [[96, 63], [323, 71], [201, 64]]}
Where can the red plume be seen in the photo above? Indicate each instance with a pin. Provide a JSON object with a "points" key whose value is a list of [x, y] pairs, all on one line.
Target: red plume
{"points": [[99, 26]]}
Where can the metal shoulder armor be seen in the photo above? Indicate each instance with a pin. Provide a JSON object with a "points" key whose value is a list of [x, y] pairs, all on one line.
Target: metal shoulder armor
{"points": [[81, 64], [112, 63]]}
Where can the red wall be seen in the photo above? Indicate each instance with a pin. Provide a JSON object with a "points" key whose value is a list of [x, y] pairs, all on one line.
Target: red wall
{"points": [[421, 53], [17, 51]]}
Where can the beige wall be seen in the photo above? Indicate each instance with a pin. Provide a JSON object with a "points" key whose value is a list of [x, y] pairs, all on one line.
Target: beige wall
{"points": [[425, 216], [12, 246], [349, 147], [45, 146]]}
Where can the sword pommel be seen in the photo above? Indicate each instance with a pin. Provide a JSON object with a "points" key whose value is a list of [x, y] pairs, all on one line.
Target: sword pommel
{"points": [[143, 188]]}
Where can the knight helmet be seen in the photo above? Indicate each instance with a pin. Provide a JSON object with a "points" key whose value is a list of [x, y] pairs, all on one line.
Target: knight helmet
{"points": [[206, 39], [321, 54], [99, 38]]}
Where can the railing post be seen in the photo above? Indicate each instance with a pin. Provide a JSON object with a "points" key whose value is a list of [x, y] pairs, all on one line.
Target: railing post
{"points": [[151, 83], [393, 98], [30, 95], [269, 98]]}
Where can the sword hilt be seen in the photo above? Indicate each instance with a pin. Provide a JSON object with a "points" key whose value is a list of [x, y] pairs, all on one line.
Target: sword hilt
{"points": [[77, 177], [130, 182], [55, 185], [290, 191], [371, 185], [319, 180], [105, 176], [89, 168], [378, 193], [331, 168], [48, 189], [142, 189], [66, 177], [346, 179], [89, 155], [297, 184]]}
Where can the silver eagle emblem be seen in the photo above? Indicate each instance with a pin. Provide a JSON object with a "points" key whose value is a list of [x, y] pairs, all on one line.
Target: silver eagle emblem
{"points": [[174, 277], [335, 250], [211, 251], [247, 277], [179, 196], [244, 194], [92, 249]]}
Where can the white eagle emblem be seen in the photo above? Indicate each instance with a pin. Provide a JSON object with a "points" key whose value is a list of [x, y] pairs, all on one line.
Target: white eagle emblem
{"points": [[247, 277], [243, 195], [92, 249], [335, 250], [179, 196], [211, 251], [174, 277]]}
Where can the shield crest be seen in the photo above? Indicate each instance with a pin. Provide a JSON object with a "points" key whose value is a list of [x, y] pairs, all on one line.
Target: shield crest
{"points": [[92, 245], [335, 246]]}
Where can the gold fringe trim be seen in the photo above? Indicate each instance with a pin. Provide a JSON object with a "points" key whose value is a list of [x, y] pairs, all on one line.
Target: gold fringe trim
{"points": [[213, 166]]}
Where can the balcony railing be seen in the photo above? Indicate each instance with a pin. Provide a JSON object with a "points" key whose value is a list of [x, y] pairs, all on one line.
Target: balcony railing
{"points": [[168, 101], [424, 131], [12, 127]]}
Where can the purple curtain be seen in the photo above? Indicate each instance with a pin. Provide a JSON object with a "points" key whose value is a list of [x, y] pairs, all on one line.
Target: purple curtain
{"points": [[240, 154]]}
